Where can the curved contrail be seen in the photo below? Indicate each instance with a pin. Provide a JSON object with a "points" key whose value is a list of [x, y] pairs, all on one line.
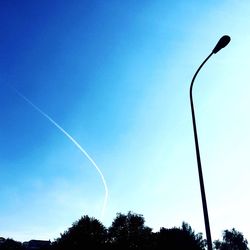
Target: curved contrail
{"points": [[74, 142]]}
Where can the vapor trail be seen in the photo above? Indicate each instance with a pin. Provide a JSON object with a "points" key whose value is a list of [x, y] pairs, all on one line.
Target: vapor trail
{"points": [[74, 142]]}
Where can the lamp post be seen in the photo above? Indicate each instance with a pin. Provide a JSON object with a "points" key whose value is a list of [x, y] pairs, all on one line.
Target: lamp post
{"points": [[221, 44]]}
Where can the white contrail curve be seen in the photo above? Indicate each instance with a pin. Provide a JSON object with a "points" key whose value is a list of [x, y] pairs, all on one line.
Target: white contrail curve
{"points": [[75, 143]]}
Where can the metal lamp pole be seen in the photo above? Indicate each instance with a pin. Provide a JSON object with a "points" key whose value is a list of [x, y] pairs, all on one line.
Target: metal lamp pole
{"points": [[221, 44]]}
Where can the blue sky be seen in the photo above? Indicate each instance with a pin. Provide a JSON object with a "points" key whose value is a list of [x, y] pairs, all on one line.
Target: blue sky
{"points": [[116, 75]]}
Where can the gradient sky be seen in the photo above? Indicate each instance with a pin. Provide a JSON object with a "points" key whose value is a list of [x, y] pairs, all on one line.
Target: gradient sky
{"points": [[116, 76]]}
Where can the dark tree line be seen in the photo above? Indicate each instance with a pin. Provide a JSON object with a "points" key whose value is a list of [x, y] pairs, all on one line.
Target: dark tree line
{"points": [[129, 232]]}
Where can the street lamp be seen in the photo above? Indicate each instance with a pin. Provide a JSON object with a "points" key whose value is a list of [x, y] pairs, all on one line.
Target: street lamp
{"points": [[221, 44]]}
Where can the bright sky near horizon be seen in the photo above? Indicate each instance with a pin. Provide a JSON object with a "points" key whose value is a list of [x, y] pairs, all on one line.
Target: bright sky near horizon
{"points": [[115, 75]]}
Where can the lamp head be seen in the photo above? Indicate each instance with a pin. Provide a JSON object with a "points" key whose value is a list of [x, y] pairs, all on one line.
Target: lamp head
{"points": [[223, 42]]}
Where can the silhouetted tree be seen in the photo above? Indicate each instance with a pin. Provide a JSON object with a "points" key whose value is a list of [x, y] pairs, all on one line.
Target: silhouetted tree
{"points": [[197, 238], [129, 232], [179, 239], [86, 233], [10, 244], [232, 240]]}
